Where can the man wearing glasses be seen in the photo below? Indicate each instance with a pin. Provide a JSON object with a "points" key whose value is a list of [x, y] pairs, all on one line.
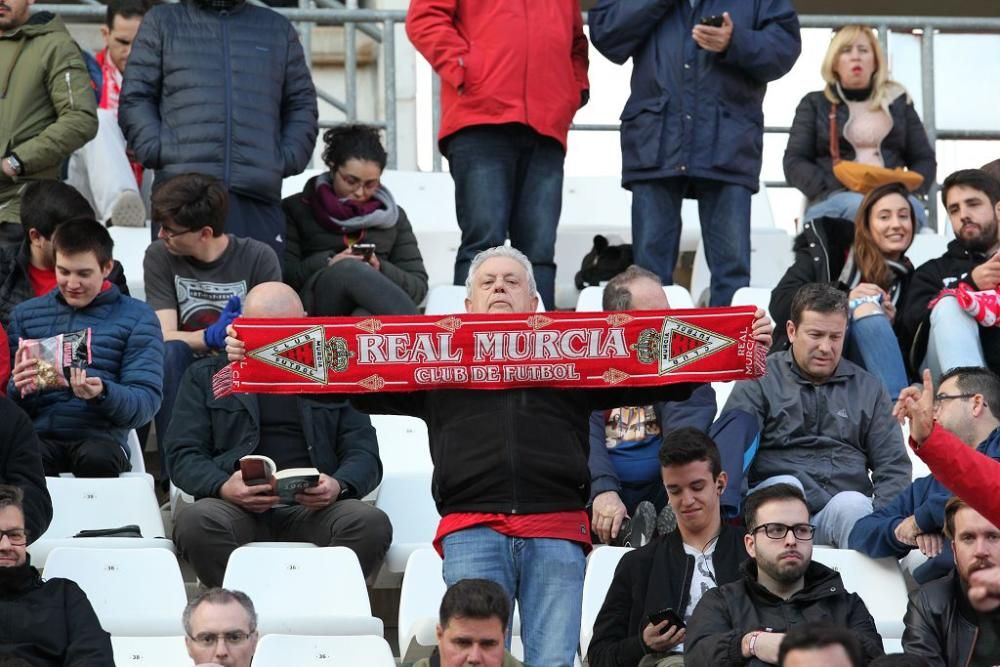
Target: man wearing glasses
{"points": [[221, 629], [966, 404], [195, 275], [46, 622], [743, 622]]}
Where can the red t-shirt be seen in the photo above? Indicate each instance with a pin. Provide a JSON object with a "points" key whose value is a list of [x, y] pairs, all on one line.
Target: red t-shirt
{"points": [[43, 281], [573, 526]]}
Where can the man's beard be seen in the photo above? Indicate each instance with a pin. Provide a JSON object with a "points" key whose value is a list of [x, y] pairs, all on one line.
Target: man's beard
{"points": [[976, 566], [986, 241], [784, 572]]}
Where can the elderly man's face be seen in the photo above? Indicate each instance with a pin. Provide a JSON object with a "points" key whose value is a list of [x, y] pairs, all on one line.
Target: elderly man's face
{"points": [[501, 285], [221, 635]]}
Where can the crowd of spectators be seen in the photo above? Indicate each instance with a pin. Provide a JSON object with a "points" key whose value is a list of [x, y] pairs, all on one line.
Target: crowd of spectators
{"points": [[213, 101]]}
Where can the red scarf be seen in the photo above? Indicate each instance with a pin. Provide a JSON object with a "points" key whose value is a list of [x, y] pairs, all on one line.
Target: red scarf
{"points": [[476, 351]]}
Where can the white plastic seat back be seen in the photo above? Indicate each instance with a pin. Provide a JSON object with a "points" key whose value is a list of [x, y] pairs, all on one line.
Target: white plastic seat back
{"points": [[279, 579], [770, 256], [406, 499], [601, 566], [134, 592], [135, 452], [304, 651], [926, 247], [80, 503], [149, 651], [402, 444], [879, 582], [419, 602], [754, 296]]}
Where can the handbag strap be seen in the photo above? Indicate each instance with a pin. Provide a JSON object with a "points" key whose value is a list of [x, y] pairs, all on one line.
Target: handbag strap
{"points": [[834, 139]]}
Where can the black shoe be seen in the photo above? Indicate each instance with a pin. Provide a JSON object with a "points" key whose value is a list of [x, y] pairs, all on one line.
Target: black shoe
{"points": [[638, 531]]}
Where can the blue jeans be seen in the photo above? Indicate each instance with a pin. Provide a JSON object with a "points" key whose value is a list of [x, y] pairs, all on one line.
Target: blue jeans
{"points": [[872, 344], [545, 576], [835, 521], [953, 340], [845, 204], [177, 356], [724, 209], [508, 183]]}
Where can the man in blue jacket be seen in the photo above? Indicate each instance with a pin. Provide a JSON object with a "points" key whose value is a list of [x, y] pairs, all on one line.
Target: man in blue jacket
{"points": [[693, 125], [221, 87], [83, 427], [967, 405]]}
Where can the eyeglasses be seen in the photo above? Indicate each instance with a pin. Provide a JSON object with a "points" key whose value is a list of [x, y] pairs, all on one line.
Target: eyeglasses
{"points": [[232, 638], [941, 398], [170, 233], [17, 536], [353, 182], [778, 531]]}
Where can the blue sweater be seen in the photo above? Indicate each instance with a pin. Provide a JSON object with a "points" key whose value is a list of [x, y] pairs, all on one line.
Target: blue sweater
{"points": [[126, 353], [924, 499]]}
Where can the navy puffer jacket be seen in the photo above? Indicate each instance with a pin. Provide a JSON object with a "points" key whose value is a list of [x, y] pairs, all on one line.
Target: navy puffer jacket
{"points": [[226, 94], [126, 353]]}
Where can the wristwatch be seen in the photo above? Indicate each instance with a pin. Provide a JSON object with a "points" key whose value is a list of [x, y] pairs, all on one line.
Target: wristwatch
{"points": [[15, 164]]}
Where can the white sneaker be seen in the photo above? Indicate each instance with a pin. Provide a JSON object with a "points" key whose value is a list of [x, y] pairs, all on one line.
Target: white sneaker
{"points": [[128, 210]]}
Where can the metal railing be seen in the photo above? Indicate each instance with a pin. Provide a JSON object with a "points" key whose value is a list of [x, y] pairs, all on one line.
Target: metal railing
{"points": [[379, 25]]}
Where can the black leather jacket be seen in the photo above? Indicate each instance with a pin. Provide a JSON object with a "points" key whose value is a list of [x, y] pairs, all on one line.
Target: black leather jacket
{"points": [[940, 623]]}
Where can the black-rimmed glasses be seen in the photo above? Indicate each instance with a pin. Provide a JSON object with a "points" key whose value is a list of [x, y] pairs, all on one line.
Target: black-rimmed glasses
{"points": [[778, 531]]}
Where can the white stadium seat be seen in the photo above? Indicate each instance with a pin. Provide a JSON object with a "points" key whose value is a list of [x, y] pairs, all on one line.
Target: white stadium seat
{"points": [[317, 591], [149, 651], [88, 503], [406, 499], [305, 651], [879, 582], [601, 566], [419, 601], [135, 592], [402, 444], [770, 256]]}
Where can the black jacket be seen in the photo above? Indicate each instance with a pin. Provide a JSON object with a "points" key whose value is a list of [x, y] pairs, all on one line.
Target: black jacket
{"points": [[809, 167], [821, 252], [208, 436], [309, 245], [511, 451], [15, 283], [226, 94], [725, 614], [51, 623], [650, 579], [940, 623], [21, 466], [952, 268]]}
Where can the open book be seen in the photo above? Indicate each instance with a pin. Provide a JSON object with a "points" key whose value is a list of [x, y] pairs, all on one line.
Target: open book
{"points": [[286, 483]]}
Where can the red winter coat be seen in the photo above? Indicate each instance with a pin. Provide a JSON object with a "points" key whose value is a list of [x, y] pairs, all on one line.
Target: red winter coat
{"points": [[972, 476], [504, 61]]}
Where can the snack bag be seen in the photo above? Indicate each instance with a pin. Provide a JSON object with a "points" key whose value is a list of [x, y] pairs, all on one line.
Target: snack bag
{"points": [[56, 355]]}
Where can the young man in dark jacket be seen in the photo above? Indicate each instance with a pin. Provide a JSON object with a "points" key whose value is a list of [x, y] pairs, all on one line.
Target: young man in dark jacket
{"points": [[83, 427], [693, 124], [674, 571], [941, 624], [965, 406], [743, 623], [45, 623], [945, 336], [221, 87], [208, 436]]}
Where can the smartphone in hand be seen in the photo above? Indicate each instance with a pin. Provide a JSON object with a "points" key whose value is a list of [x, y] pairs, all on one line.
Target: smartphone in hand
{"points": [[365, 249], [675, 621], [714, 21]]}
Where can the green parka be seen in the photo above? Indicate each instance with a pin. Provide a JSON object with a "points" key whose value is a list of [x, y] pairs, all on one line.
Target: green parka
{"points": [[47, 104]]}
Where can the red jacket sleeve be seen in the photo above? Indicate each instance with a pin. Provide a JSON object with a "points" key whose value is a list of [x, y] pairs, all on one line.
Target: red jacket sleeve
{"points": [[972, 476], [4, 362], [430, 25]]}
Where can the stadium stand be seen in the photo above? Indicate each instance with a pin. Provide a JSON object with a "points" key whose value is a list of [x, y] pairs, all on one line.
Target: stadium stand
{"points": [[304, 651]]}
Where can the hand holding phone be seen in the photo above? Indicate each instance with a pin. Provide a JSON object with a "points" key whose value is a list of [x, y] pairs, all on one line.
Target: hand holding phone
{"points": [[675, 621], [364, 249], [714, 21]]}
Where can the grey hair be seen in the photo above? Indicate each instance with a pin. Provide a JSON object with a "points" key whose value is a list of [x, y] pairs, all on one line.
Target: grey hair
{"points": [[617, 295], [219, 596], [501, 251]]}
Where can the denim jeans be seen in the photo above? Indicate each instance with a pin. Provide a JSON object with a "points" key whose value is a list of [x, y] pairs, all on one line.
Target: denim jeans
{"points": [[953, 340], [845, 205], [545, 576], [177, 356], [724, 209], [835, 521], [872, 344], [508, 183]]}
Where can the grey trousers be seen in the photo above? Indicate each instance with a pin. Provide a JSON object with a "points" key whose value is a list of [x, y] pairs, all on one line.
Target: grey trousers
{"points": [[209, 530]]}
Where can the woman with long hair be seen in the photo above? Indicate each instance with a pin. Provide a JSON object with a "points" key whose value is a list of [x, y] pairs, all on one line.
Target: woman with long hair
{"points": [[874, 121], [350, 247], [868, 260]]}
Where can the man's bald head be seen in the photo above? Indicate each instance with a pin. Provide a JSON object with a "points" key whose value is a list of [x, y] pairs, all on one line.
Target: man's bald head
{"points": [[273, 299]]}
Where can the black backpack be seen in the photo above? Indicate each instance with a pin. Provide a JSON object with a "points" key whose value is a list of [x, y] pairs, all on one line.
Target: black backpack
{"points": [[603, 262]]}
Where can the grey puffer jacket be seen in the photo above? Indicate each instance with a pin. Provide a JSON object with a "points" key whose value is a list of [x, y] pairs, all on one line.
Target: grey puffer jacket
{"points": [[226, 94]]}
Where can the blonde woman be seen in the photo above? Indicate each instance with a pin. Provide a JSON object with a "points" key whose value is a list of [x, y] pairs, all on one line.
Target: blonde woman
{"points": [[875, 124]]}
